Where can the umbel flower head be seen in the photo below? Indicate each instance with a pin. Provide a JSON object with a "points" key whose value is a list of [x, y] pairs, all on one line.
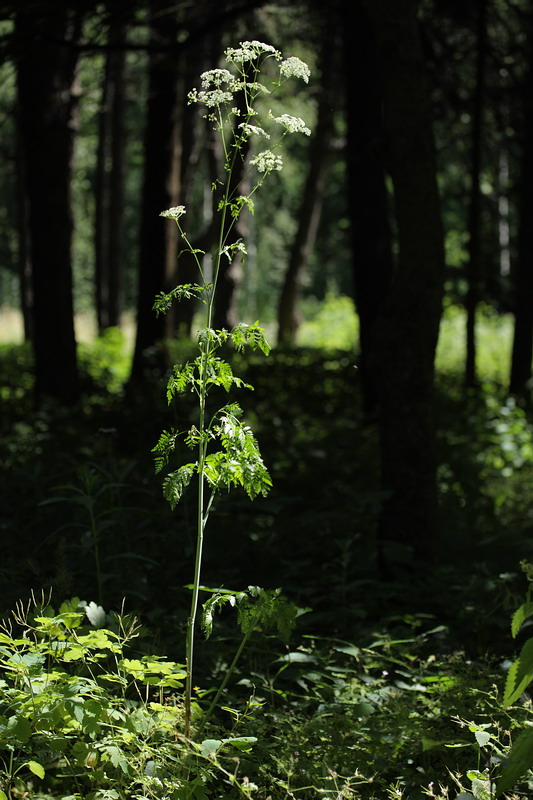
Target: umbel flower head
{"points": [[295, 68], [173, 213]]}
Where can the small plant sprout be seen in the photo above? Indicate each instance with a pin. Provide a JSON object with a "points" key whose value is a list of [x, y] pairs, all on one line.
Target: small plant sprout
{"points": [[226, 453]]}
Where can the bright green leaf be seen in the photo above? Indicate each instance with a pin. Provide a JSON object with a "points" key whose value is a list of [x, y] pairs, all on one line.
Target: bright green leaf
{"points": [[520, 675], [36, 768], [520, 616], [519, 760]]}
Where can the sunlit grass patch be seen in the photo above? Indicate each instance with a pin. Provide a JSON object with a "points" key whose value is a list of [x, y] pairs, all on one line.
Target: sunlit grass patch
{"points": [[494, 334]]}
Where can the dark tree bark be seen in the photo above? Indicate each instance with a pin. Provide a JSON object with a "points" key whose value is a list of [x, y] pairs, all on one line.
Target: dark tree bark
{"points": [[474, 215], [315, 184], [157, 237], [367, 194], [24, 255], [109, 215], [45, 75], [522, 353], [406, 331]]}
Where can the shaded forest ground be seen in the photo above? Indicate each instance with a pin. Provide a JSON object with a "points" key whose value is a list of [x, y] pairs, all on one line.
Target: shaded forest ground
{"points": [[77, 481], [82, 512]]}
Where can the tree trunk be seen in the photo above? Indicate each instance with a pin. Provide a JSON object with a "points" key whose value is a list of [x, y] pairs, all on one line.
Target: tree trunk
{"points": [[474, 215], [367, 194], [309, 217], [109, 217], [157, 239], [45, 75], [406, 331], [24, 257], [523, 269]]}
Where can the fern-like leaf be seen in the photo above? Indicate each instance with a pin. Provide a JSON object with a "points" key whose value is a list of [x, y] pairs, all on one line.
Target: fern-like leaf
{"points": [[252, 336], [163, 448], [176, 482]]}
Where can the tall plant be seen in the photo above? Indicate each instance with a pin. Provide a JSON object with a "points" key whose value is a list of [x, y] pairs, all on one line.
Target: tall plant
{"points": [[226, 452]]}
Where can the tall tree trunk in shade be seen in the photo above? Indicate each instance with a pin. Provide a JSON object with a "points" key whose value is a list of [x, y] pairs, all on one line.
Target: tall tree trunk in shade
{"points": [[24, 247], [109, 216], [367, 193], [46, 66], [157, 240], [474, 213], [406, 331], [315, 184], [522, 353]]}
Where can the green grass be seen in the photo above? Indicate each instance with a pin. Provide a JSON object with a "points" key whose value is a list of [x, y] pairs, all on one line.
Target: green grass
{"points": [[494, 340]]}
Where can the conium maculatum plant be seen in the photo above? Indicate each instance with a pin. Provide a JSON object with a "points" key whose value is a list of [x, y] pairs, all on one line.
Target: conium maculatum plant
{"points": [[226, 453]]}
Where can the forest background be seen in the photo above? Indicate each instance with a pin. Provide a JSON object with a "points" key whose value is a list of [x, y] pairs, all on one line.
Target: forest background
{"points": [[391, 262]]}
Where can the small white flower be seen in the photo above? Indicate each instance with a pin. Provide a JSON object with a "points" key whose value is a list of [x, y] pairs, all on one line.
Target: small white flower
{"points": [[267, 161], [173, 213], [295, 67], [215, 97], [251, 130], [249, 51], [292, 124], [216, 77]]}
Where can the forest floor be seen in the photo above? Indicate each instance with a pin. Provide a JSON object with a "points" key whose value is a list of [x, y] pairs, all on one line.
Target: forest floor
{"points": [[384, 686]]}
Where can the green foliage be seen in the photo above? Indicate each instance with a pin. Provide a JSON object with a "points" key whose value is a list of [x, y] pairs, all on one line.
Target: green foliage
{"points": [[331, 324]]}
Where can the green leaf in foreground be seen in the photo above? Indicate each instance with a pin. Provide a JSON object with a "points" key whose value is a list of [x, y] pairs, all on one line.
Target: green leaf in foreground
{"points": [[519, 760], [36, 768], [520, 675], [519, 617]]}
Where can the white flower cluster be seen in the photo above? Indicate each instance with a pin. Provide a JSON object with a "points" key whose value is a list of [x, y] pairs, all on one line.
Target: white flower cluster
{"points": [[173, 213], [267, 161], [218, 86], [295, 68], [292, 124], [213, 98], [251, 130], [249, 51], [216, 77]]}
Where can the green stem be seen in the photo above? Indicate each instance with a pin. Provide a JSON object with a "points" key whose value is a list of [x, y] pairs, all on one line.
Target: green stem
{"points": [[199, 547], [225, 682]]}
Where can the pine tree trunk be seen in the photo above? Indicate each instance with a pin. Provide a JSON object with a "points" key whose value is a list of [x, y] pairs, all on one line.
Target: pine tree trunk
{"points": [[45, 75], [522, 353], [157, 240], [367, 194], [474, 215], [406, 331], [109, 217]]}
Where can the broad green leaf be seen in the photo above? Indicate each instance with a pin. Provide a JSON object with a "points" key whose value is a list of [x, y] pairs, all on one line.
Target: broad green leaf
{"points": [[210, 747], [519, 760], [482, 738], [75, 653], [363, 709], [3, 795], [242, 742], [36, 768], [20, 728], [297, 657], [520, 675], [520, 616], [349, 649]]}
